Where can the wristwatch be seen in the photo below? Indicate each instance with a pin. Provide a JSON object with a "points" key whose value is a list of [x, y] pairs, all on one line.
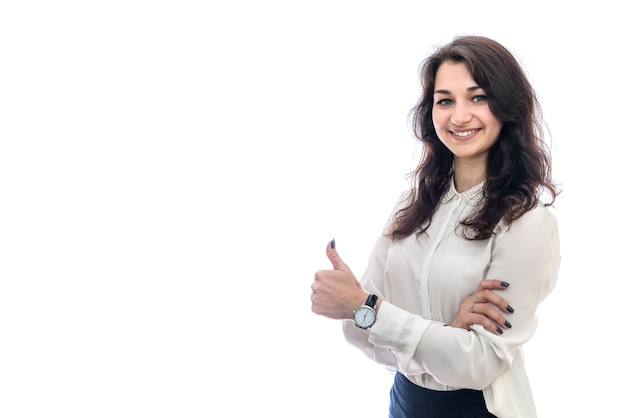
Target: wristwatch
{"points": [[365, 315]]}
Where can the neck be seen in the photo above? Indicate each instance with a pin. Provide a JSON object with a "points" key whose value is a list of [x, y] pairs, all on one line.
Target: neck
{"points": [[468, 176]]}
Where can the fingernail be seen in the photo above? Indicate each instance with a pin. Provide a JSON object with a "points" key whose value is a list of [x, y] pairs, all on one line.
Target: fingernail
{"points": [[510, 309], [332, 244], [499, 329], [508, 324], [505, 284]]}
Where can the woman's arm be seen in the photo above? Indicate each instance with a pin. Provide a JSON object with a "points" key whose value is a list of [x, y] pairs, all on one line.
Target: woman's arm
{"points": [[526, 254]]}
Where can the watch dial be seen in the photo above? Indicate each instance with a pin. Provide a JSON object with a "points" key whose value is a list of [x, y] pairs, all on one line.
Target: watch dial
{"points": [[364, 316]]}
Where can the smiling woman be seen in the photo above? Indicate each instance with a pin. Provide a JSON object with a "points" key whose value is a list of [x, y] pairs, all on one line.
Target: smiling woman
{"points": [[171, 171], [469, 251], [464, 122]]}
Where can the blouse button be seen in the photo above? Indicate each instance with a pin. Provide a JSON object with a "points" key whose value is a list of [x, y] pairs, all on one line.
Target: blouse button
{"points": [[456, 197]]}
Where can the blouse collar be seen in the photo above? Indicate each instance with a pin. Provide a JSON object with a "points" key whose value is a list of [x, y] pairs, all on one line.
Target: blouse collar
{"points": [[472, 196]]}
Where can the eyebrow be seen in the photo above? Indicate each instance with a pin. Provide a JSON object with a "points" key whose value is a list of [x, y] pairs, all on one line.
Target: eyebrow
{"points": [[470, 89]]}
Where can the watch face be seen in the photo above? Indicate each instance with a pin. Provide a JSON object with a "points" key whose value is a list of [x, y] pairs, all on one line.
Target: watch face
{"points": [[364, 316]]}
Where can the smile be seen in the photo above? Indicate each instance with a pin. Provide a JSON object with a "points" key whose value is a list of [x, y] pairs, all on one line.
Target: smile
{"points": [[464, 133]]}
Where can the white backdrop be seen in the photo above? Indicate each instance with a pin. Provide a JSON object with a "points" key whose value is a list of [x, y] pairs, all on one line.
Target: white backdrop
{"points": [[170, 173]]}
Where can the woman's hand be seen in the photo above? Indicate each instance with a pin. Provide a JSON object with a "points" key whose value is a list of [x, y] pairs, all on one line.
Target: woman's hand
{"points": [[480, 308], [336, 293]]}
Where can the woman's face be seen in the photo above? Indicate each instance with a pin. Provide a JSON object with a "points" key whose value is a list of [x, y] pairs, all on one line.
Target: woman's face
{"points": [[461, 115]]}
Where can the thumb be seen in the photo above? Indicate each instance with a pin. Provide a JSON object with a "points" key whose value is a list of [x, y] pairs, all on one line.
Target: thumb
{"points": [[333, 256]]}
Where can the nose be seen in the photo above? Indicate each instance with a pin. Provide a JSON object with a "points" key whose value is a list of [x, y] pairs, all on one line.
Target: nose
{"points": [[461, 115]]}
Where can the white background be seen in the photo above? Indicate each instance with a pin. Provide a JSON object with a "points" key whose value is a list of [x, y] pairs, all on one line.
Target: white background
{"points": [[171, 171]]}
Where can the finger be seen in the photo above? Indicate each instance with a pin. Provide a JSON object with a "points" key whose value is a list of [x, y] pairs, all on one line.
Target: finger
{"points": [[333, 256], [482, 314], [488, 324], [493, 298], [492, 284], [488, 311]]}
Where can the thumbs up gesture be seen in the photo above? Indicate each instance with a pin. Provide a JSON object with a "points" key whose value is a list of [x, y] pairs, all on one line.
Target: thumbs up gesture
{"points": [[337, 292]]}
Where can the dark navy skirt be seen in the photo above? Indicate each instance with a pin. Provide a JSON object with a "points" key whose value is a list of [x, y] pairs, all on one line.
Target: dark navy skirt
{"points": [[407, 400]]}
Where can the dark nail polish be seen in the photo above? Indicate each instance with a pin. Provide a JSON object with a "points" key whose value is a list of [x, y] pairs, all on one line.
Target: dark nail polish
{"points": [[510, 309], [332, 244], [508, 324], [505, 284], [499, 329]]}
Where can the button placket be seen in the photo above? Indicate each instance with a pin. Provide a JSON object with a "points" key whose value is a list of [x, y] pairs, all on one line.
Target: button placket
{"points": [[425, 298]]}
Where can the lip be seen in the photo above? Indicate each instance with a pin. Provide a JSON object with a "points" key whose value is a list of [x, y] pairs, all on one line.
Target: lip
{"points": [[464, 134]]}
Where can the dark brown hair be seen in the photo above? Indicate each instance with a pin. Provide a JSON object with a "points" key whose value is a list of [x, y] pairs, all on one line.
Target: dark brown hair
{"points": [[518, 164]]}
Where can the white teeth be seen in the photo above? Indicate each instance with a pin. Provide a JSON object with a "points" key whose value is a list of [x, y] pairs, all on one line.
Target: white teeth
{"points": [[466, 133]]}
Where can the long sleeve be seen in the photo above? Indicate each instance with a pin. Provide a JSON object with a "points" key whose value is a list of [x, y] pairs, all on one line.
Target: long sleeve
{"points": [[422, 286], [526, 256]]}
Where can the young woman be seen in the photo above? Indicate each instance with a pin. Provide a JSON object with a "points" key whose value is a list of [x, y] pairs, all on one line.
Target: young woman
{"points": [[452, 286]]}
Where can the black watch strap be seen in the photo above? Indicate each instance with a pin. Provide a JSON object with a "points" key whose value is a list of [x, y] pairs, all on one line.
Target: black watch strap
{"points": [[371, 301]]}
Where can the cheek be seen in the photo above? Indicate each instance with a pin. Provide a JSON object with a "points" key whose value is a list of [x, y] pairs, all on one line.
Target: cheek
{"points": [[491, 121], [496, 127], [439, 123]]}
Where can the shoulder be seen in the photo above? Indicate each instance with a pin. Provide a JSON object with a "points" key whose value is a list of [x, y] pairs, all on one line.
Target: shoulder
{"points": [[403, 200], [538, 223], [540, 215], [405, 195]]}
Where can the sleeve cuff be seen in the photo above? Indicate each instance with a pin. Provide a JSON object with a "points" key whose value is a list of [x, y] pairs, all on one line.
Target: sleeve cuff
{"points": [[398, 330]]}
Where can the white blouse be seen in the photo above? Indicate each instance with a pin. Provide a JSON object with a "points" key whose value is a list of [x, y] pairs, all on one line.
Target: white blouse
{"points": [[422, 283]]}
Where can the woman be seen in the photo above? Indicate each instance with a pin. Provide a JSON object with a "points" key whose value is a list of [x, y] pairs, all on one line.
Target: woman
{"points": [[453, 283]]}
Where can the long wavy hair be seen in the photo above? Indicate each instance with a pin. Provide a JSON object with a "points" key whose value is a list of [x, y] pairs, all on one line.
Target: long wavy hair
{"points": [[518, 168]]}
